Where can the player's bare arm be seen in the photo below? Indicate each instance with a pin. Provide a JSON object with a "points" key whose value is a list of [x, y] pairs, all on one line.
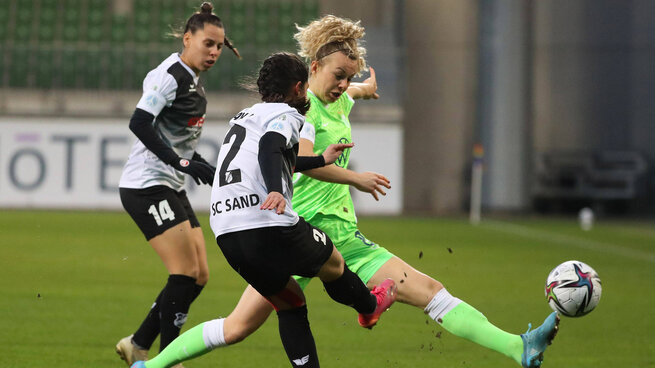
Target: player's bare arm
{"points": [[368, 182], [366, 89]]}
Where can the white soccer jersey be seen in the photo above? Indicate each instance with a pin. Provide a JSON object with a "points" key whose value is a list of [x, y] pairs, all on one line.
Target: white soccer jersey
{"points": [[173, 93], [239, 188]]}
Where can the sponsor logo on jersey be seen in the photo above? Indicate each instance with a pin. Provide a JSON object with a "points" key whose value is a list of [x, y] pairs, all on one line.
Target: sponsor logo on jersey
{"points": [[196, 121], [342, 161], [184, 162], [236, 203], [192, 88]]}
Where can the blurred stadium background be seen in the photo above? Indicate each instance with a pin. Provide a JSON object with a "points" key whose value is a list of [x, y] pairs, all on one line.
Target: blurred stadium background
{"points": [[558, 93]]}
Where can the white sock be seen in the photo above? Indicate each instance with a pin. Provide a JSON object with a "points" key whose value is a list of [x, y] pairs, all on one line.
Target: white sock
{"points": [[212, 333], [441, 304]]}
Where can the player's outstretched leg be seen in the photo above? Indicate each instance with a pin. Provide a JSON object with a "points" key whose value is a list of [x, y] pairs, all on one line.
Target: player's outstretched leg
{"points": [[536, 341], [385, 294], [461, 319], [130, 352], [197, 341]]}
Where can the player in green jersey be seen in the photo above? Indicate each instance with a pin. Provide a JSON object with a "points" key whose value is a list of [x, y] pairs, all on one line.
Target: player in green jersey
{"points": [[331, 43], [322, 197]]}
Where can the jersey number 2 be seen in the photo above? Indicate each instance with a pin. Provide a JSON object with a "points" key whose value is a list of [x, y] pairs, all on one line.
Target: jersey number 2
{"points": [[320, 236], [226, 176]]}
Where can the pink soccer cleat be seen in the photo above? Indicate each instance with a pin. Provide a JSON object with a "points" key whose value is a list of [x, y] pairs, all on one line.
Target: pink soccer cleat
{"points": [[385, 293]]}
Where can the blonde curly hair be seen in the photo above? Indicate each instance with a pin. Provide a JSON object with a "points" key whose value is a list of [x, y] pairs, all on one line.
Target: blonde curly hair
{"points": [[331, 34]]}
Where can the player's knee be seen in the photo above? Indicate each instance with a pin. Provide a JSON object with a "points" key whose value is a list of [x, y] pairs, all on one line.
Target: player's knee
{"points": [[203, 276], [237, 334], [434, 286], [332, 268], [191, 270], [287, 299], [202, 279]]}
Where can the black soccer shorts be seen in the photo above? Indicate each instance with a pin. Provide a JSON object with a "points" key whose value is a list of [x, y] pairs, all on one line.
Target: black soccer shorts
{"points": [[157, 209], [267, 257]]}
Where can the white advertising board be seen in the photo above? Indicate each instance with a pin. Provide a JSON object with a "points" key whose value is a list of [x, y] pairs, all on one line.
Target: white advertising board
{"points": [[76, 163]]}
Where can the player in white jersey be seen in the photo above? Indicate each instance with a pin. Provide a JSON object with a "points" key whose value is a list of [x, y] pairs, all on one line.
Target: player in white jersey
{"points": [[168, 122], [261, 236], [332, 44]]}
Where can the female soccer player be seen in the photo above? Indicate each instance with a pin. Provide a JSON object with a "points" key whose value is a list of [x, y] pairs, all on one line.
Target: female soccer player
{"points": [[261, 236], [167, 122], [320, 196], [331, 44]]}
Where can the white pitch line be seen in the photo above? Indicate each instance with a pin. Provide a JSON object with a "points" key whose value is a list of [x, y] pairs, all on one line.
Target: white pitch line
{"points": [[527, 232]]}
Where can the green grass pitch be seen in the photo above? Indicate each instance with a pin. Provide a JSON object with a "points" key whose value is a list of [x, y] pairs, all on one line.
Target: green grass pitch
{"points": [[73, 283]]}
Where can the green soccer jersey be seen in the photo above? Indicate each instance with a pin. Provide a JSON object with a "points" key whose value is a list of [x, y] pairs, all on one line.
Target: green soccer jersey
{"points": [[330, 125]]}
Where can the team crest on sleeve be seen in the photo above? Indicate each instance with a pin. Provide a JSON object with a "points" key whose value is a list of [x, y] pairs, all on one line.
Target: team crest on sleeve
{"points": [[277, 126], [152, 100]]}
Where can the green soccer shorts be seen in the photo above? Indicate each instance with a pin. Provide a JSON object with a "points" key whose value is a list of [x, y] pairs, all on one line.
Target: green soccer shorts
{"points": [[362, 256]]}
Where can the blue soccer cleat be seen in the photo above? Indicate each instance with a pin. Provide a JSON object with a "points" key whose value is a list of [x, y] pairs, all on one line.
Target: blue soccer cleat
{"points": [[139, 364], [536, 341]]}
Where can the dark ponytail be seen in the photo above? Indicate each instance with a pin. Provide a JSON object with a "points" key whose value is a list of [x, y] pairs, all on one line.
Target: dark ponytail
{"points": [[279, 73], [198, 19]]}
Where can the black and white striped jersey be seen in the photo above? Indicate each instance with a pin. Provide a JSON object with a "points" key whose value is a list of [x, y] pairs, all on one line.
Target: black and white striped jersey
{"points": [[173, 93]]}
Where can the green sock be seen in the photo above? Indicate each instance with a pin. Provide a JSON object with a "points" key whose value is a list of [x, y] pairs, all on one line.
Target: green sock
{"points": [[186, 346], [467, 322]]}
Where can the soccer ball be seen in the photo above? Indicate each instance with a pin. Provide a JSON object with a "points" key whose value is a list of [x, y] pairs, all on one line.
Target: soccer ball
{"points": [[573, 289]]}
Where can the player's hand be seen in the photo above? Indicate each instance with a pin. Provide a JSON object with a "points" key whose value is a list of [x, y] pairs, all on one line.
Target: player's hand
{"points": [[373, 183], [370, 86], [333, 151], [201, 172], [274, 201], [196, 156]]}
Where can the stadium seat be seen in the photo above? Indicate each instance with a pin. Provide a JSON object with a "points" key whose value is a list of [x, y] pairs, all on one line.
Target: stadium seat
{"points": [[47, 21], [166, 21], [22, 32], [116, 71], [91, 63], [4, 17], [67, 75], [44, 69], [141, 64], [82, 39], [95, 24], [19, 67], [119, 30]]}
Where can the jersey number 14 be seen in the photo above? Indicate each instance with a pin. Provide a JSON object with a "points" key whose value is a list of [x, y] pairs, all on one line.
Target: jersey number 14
{"points": [[165, 212]]}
